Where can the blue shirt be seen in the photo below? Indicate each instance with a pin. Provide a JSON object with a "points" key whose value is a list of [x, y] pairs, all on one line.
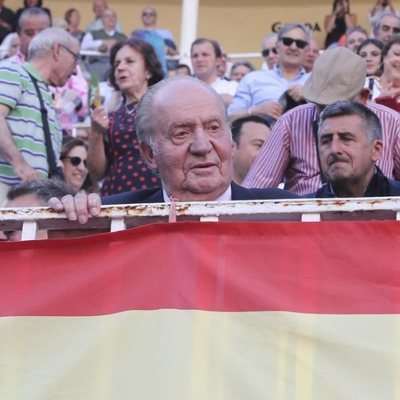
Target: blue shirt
{"points": [[263, 86]]}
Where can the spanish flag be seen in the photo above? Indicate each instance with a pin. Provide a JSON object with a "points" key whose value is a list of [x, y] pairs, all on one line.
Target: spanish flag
{"points": [[191, 310]]}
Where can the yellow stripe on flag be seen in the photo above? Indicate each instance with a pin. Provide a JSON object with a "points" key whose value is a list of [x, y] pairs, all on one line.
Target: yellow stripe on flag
{"points": [[251, 355]]}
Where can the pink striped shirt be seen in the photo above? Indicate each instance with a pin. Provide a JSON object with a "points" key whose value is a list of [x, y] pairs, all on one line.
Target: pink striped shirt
{"points": [[290, 154]]}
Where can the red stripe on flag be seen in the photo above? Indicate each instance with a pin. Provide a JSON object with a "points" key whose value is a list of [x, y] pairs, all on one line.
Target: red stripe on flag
{"points": [[329, 267]]}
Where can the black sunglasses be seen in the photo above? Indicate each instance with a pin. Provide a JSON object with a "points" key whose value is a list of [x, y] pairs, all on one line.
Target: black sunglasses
{"points": [[265, 52], [300, 44], [75, 161], [148, 14]]}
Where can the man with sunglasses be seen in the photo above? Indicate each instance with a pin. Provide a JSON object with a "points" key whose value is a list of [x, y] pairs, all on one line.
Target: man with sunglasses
{"points": [[269, 51], [259, 91], [290, 154], [149, 21], [53, 55]]}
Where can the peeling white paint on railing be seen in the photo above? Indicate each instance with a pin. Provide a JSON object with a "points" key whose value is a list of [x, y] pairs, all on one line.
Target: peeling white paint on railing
{"points": [[120, 217]]}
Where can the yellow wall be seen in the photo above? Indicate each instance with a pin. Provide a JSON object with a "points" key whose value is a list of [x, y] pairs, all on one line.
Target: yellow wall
{"points": [[238, 24]]}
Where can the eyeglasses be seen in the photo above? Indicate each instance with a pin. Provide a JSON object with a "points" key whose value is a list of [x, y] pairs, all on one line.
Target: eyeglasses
{"points": [[265, 52], [148, 14], [77, 57], [75, 161], [300, 44]]}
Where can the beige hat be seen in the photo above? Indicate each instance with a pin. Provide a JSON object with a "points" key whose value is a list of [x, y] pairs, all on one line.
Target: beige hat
{"points": [[338, 74]]}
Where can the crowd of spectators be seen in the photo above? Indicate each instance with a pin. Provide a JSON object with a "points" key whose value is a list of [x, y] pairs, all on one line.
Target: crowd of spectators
{"points": [[97, 77]]}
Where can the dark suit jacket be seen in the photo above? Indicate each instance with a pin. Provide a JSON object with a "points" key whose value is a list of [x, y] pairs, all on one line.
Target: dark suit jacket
{"points": [[155, 195], [380, 186]]}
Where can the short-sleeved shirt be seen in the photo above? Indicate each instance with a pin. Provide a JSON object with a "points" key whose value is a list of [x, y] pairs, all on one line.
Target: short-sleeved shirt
{"points": [[18, 92]]}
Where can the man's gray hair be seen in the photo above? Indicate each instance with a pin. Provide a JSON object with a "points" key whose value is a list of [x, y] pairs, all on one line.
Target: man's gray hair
{"points": [[268, 37], [145, 117], [45, 40], [342, 108], [31, 12], [43, 190], [378, 21], [289, 27]]}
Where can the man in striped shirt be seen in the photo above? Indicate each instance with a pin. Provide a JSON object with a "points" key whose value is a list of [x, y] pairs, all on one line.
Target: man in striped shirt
{"points": [[290, 153], [53, 56]]}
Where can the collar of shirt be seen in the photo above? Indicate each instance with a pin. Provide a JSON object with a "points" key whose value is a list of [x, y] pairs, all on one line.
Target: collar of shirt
{"points": [[278, 70], [110, 33], [226, 196], [33, 71]]}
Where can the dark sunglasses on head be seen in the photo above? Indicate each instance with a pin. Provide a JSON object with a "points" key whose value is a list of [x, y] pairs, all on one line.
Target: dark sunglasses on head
{"points": [[265, 52], [75, 161], [301, 44]]}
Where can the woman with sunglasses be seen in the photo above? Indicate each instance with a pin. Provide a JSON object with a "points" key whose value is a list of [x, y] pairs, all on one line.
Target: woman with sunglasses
{"points": [[113, 146], [73, 161], [337, 23]]}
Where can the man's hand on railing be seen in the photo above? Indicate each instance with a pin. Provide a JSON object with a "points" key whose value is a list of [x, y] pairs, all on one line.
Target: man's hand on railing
{"points": [[78, 207]]}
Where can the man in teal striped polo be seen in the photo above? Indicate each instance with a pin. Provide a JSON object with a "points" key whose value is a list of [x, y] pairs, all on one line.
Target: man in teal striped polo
{"points": [[53, 55]]}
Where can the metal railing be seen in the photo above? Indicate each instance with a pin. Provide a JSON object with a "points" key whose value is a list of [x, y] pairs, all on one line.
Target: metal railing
{"points": [[120, 217]]}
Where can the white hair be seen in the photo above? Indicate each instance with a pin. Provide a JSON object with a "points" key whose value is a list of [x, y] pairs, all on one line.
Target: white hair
{"points": [[45, 40]]}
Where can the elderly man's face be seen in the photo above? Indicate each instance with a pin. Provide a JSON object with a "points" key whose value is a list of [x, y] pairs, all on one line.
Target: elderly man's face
{"points": [[389, 26], [354, 40], [109, 19], [67, 57], [192, 142], [99, 6], [347, 153], [30, 27]]}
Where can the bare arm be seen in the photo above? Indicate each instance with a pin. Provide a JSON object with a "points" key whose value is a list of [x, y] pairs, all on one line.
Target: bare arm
{"points": [[10, 152], [97, 159], [329, 23]]}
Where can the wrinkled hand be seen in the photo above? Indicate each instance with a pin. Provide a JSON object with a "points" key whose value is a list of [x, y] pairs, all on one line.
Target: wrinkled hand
{"points": [[79, 207], [295, 92], [272, 109], [26, 172], [100, 121]]}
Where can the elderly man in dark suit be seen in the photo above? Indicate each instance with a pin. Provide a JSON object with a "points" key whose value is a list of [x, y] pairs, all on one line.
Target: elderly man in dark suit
{"points": [[184, 134]]}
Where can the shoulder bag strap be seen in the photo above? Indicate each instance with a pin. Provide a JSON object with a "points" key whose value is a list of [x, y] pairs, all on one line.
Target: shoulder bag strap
{"points": [[49, 145]]}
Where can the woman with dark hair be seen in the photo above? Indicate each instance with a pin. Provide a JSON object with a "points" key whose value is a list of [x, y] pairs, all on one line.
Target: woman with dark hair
{"points": [[32, 3], [113, 146], [371, 51], [73, 19], [74, 159], [337, 23], [389, 82]]}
